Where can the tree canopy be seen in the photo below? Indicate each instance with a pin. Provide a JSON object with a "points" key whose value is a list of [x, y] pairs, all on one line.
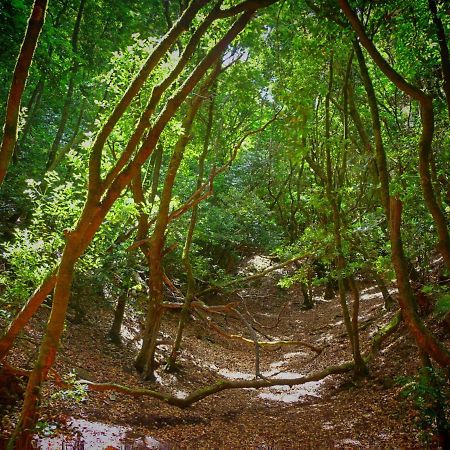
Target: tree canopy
{"points": [[148, 147]]}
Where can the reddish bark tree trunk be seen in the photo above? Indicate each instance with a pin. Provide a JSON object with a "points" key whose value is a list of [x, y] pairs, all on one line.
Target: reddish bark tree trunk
{"points": [[35, 24], [427, 118]]}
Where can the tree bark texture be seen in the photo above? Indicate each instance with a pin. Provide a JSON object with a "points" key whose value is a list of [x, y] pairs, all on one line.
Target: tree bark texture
{"points": [[191, 285], [425, 340], [10, 128], [94, 211]]}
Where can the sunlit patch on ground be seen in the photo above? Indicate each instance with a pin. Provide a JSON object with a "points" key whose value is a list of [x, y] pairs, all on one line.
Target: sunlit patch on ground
{"points": [[373, 292], [285, 394], [288, 394], [96, 436]]}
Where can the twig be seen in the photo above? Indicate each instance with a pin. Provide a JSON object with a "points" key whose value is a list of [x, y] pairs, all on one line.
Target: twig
{"points": [[255, 341], [239, 337]]}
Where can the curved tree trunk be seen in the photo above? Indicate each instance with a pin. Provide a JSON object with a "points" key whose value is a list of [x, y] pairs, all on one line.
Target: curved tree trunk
{"points": [[145, 361], [382, 166], [34, 27], [425, 340], [90, 220], [94, 211], [48, 348], [331, 193], [427, 118], [425, 151]]}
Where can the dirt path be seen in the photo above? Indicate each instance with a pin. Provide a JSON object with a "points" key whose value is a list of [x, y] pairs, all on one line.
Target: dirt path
{"points": [[334, 412]]}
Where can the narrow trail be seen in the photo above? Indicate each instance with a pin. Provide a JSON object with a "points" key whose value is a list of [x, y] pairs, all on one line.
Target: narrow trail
{"points": [[334, 412]]}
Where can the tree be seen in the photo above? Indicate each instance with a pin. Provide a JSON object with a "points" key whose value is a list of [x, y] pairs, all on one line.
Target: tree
{"points": [[35, 23], [102, 193]]}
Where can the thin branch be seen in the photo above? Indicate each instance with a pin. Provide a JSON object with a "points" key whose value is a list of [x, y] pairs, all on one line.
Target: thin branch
{"points": [[269, 344]]}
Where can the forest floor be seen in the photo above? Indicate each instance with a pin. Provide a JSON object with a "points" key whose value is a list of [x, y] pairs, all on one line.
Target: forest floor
{"points": [[335, 412]]}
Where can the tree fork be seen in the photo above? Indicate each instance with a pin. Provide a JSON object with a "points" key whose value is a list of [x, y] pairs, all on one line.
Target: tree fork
{"points": [[94, 211], [89, 222], [191, 285], [156, 245]]}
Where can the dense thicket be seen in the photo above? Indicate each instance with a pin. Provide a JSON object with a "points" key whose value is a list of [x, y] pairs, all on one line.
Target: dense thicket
{"points": [[164, 140]]}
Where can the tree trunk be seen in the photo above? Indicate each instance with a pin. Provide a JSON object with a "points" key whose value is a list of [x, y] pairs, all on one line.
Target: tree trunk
{"points": [[425, 151], [25, 314], [336, 217], [90, 220], [191, 285], [427, 118], [158, 53], [360, 366], [382, 167], [68, 100], [94, 211], [425, 340], [157, 239], [388, 300], [48, 348], [35, 23], [307, 299], [443, 49], [114, 332], [157, 162], [145, 362]]}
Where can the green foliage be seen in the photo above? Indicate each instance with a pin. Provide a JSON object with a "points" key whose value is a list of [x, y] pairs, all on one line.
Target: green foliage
{"points": [[442, 306], [75, 391], [35, 250], [244, 222], [33, 253], [46, 428], [429, 392], [307, 184], [300, 276]]}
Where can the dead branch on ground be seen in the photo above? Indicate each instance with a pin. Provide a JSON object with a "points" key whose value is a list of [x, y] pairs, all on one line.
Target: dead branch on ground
{"points": [[219, 386]]}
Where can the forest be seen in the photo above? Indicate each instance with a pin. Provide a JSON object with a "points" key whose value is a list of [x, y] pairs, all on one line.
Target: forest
{"points": [[224, 224]]}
